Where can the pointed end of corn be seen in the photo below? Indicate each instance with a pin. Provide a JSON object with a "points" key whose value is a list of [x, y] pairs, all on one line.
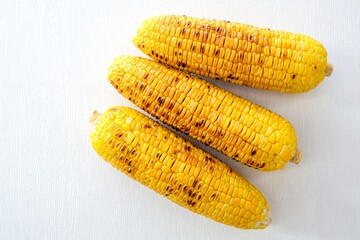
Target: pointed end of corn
{"points": [[297, 158], [329, 69], [266, 222], [94, 118]]}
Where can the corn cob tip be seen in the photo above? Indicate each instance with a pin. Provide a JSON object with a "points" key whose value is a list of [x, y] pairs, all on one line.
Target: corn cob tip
{"points": [[297, 158], [94, 118], [329, 69], [267, 221]]}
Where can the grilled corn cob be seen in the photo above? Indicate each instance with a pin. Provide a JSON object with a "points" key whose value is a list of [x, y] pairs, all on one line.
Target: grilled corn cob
{"points": [[237, 53], [234, 126], [156, 157]]}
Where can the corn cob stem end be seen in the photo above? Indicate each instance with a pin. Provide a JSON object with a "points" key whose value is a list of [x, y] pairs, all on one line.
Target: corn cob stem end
{"points": [[94, 118], [297, 158], [329, 69]]}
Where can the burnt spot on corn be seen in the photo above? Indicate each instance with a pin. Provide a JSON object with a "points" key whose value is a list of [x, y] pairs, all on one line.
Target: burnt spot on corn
{"points": [[202, 49], [193, 48], [194, 183], [189, 192], [183, 64], [216, 53], [253, 152], [197, 33], [142, 87], [171, 106], [183, 31], [172, 164], [160, 100], [190, 202], [213, 196], [188, 24], [187, 148], [146, 76], [293, 76], [236, 155], [209, 159]]}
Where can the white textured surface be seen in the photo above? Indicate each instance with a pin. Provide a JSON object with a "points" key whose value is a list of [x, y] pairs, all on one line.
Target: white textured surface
{"points": [[53, 61]]}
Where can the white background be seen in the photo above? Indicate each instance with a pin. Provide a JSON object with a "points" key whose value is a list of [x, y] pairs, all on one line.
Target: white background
{"points": [[54, 57]]}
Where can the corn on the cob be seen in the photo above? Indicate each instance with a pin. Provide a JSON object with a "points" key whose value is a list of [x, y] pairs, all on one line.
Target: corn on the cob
{"points": [[234, 126], [156, 157], [237, 53]]}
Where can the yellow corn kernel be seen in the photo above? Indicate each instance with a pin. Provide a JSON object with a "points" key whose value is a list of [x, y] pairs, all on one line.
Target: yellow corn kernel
{"points": [[255, 128], [191, 190], [217, 42]]}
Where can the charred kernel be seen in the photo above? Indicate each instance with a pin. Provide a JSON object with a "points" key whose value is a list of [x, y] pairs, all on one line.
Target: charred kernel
{"points": [[293, 76], [253, 152], [160, 100], [146, 75]]}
